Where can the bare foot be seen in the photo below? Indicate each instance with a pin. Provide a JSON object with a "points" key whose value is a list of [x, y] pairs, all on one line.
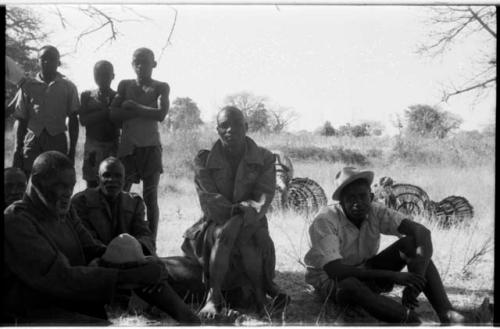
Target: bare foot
{"points": [[210, 310]]}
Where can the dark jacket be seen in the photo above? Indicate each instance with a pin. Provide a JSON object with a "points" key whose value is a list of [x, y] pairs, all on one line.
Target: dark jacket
{"points": [[104, 223], [45, 261], [253, 182]]}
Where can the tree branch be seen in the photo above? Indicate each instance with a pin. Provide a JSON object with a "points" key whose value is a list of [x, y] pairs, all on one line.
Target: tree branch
{"points": [[167, 43], [483, 84], [484, 25]]}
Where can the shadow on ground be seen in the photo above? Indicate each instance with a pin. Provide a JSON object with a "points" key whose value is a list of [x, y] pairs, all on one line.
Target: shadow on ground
{"points": [[306, 308]]}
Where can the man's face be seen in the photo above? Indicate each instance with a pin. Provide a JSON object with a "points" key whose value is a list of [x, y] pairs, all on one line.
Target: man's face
{"points": [[103, 76], [59, 189], [111, 178], [143, 64], [48, 61], [232, 128], [14, 185], [356, 200]]}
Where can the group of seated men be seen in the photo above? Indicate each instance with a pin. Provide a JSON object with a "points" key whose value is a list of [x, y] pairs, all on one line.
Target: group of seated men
{"points": [[67, 256]]}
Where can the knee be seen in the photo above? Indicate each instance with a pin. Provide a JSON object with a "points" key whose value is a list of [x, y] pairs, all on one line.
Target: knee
{"points": [[407, 246], [349, 290], [226, 236]]}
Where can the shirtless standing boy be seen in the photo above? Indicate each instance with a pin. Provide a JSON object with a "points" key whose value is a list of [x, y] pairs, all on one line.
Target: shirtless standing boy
{"points": [[101, 139], [139, 105]]}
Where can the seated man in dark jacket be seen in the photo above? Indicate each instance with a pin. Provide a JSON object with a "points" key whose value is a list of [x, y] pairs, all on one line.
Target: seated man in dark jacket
{"points": [[107, 210], [47, 251]]}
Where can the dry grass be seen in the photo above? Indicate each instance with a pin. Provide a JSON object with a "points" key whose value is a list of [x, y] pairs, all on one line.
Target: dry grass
{"points": [[463, 254]]}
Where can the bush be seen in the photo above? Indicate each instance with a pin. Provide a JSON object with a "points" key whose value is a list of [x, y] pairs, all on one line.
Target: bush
{"points": [[332, 154]]}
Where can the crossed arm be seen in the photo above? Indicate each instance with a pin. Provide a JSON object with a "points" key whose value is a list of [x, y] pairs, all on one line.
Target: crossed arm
{"points": [[123, 109]]}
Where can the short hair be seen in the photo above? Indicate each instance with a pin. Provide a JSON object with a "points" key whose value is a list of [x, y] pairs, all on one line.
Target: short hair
{"points": [[13, 170], [50, 48], [144, 50], [49, 164], [232, 109], [111, 160], [103, 64]]}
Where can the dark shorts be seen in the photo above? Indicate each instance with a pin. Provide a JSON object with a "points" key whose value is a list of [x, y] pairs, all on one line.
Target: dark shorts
{"points": [[36, 145], [144, 162], [93, 153]]}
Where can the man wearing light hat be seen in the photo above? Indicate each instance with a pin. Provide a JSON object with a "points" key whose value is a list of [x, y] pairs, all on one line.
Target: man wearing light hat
{"points": [[343, 263]]}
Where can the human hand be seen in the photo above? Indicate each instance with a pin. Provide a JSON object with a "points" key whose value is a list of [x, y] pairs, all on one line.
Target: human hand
{"points": [[94, 262], [409, 298], [411, 280], [249, 213]]}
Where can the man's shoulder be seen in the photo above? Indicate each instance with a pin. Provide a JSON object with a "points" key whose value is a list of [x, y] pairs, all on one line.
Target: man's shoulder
{"points": [[65, 80], [126, 83], [262, 152], [328, 214], [87, 197], [159, 85], [132, 196], [17, 214]]}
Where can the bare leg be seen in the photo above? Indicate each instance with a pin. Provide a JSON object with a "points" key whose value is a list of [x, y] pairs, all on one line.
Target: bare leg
{"points": [[351, 291], [225, 238], [150, 195]]}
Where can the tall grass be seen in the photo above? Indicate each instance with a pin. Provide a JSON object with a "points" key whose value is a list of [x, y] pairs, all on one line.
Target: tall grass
{"points": [[459, 165]]}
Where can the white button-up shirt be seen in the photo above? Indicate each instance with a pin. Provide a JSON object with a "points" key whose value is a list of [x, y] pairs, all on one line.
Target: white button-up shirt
{"points": [[334, 237]]}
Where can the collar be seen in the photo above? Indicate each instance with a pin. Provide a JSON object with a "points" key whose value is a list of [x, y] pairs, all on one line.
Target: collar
{"points": [[95, 197], [216, 157], [58, 77], [345, 222], [34, 196]]}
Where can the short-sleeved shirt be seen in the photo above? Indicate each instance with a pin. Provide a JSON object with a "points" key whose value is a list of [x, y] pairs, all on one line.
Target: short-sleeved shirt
{"points": [[334, 237], [46, 105], [105, 130], [139, 132]]}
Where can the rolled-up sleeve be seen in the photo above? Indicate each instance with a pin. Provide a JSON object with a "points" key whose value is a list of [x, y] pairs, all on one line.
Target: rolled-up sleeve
{"points": [[325, 242]]}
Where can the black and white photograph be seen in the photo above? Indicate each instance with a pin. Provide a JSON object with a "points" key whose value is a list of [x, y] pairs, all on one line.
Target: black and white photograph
{"points": [[249, 164]]}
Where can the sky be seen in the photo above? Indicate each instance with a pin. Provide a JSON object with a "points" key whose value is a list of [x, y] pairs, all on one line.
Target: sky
{"points": [[337, 63]]}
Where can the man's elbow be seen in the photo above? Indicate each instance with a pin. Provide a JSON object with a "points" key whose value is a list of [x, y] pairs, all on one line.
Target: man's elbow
{"points": [[162, 115]]}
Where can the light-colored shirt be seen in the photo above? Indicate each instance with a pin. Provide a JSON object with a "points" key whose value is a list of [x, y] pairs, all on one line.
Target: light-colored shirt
{"points": [[46, 105], [334, 237]]}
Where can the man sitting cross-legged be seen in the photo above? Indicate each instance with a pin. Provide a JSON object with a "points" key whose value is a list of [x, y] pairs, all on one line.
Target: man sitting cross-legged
{"points": [[235, 182], [343, 262], [108, 210], [47, 271]]}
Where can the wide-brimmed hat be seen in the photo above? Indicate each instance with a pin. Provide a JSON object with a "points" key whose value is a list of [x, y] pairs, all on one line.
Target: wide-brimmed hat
{"points": [[124, 249], [346, 176]]}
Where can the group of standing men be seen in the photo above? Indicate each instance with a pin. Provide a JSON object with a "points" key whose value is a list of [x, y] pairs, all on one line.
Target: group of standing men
{"points": [[97, 246]]}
